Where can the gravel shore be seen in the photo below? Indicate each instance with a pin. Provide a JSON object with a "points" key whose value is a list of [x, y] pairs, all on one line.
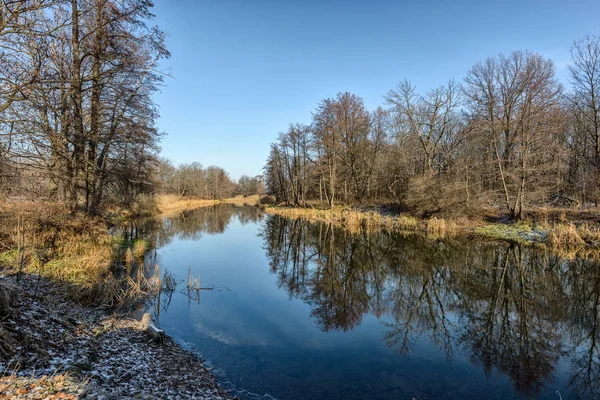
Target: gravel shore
{"points": [[53, 348]]}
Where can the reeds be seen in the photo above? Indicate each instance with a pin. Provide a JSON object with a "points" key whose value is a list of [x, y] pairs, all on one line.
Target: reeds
{"points": [[565, 236], [172, 203], [441, 228], [570, 240], [80, 253], [357, 220]]}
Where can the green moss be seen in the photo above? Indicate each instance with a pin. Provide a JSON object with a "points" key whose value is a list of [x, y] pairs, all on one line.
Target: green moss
{"points": [[521, 232], [8, 257]]}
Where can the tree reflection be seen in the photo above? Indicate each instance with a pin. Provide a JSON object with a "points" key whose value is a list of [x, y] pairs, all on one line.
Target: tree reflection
{"points": [[189, 224], [512, 309], [507, 318], [585, 313]]}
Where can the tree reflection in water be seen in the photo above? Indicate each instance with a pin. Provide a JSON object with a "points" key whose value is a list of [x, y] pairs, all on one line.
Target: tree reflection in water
{"points": [[191, 224], [510, 308]]}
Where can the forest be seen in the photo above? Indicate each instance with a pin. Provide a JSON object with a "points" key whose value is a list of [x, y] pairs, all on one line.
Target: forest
{"points": [[508, 137], [78, 122]]}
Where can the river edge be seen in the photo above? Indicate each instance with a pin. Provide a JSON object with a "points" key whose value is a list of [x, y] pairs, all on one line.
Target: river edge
{"points": [[102, 355], [66, 350], [568, 238], [70, 349]]}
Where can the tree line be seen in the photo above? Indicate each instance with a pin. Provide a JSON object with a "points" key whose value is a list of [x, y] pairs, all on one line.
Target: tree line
{"points": [[77, 118], [508, 136], [211, 182]]}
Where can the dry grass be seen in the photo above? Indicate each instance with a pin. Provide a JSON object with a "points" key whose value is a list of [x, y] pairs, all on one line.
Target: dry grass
{"points": [[590, 233], [357, 220], [243, 200], [570, 240], [75, 250], [440, 228], [172, 203], [565, 236], [565, 239]]}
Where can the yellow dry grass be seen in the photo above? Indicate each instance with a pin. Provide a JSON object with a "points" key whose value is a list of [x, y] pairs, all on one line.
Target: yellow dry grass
{"points": [[569, 240], [77, 251], [440, 228], [172, 203], [565, 239], [357, 220], [243, 200]]}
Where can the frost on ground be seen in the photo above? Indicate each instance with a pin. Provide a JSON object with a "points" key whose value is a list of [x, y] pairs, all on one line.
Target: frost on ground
{"points": [[53, 348]]}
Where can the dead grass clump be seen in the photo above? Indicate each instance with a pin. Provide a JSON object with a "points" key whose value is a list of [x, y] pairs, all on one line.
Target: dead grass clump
{"points": [[406, 222], [590, 233], [565, 238], [75, 250], [562, 217], [172, 203], [439, 228], [71, 249], [352, 220], [127, 290]]}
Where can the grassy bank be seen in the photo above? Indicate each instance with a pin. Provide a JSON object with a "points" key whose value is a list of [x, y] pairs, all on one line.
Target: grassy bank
{"points": [[172, 204], [63, 278], [568, 238], [75, 250], [42, 238], [372, 219]]}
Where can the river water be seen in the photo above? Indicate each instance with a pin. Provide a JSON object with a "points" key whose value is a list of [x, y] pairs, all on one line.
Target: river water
{"points": [[298, 310]]}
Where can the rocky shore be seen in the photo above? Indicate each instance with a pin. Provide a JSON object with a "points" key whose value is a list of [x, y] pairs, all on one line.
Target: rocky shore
{"points": [[53, 348]]}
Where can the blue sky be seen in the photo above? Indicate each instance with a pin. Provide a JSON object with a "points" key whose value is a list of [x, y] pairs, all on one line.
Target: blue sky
{"points": [[243, 70]]}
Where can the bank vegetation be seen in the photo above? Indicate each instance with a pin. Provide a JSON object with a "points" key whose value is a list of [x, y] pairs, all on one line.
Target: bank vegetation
{"points": [[507, 140]]}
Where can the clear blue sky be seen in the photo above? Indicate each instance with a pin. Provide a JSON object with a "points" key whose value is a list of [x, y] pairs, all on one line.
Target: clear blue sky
{"points": [[245, 69]]}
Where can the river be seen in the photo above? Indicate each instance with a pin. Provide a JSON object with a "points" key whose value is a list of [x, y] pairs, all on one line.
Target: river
{"points": [[298, 310]]}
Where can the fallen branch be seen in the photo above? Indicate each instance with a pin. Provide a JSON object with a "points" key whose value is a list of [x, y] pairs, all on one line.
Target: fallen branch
{"points": [[156, 334]]}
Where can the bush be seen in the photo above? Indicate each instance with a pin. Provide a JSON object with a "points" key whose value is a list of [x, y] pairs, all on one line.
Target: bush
{"points": [[267, 200], [430, 195], [144, 205]]}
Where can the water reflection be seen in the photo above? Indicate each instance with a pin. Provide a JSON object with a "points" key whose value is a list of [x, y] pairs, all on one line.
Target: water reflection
{"points": [[189, 224], [511, 309]]}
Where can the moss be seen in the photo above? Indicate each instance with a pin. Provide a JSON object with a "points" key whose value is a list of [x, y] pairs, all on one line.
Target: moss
{"points": [[522, 232], [9, 257]]}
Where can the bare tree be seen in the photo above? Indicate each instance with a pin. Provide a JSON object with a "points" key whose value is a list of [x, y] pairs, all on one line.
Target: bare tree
{"points": [[513, 101], [428, 118], [585, 78]]}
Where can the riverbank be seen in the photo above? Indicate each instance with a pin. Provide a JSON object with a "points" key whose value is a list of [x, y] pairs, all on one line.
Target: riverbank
{"points": [[54, 348], [59, 334], [569, 237], [168, 204]]}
